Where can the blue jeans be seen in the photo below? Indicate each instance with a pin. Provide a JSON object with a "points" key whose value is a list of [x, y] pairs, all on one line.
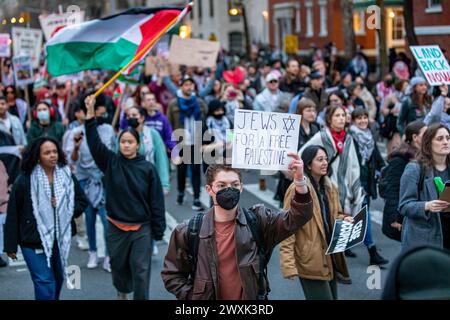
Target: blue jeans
{"points": [[368, 241], [91, 218], [47, 281]]}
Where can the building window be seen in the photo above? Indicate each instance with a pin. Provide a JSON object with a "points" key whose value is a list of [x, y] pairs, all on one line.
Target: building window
{"points": [[309, 20], [434, 6], [200, 9], [298, 22], [211, 8], [434, 3], [398, 25], [236, 41], [323, 18], [284, 22], [358, 22]]}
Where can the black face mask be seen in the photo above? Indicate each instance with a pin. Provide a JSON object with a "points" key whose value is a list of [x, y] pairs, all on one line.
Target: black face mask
{"points": [[218, 116], [228, 198], [101, 120], [133, 122]]}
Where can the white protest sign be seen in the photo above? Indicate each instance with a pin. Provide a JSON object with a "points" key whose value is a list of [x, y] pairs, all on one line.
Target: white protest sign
{"points": [[262, 140], [193, 52], [51, 22], [23, 70], [346, 234], [5, 45], [27, 42], [433, 64], [75, 77]]}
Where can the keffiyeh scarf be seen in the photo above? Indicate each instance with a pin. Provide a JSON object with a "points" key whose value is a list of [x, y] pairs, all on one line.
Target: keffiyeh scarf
{"points": [[54, 223], [365, 142]]}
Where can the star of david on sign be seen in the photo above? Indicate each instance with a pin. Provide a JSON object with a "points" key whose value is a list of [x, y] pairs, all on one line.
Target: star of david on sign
{"points": [[289, 121]]}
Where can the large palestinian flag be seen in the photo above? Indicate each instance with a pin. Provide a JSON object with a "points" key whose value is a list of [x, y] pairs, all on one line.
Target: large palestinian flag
{"points": [[110, 43]]}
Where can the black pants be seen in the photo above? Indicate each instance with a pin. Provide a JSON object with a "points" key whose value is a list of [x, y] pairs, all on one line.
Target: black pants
{"points": [[319, 289], [195, 172], [131, 256]]}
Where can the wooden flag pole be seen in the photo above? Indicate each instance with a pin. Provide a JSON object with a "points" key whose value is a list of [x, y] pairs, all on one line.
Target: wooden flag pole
{"points": [[69, 98], [140, 53], [27, 98], [119, 107]]}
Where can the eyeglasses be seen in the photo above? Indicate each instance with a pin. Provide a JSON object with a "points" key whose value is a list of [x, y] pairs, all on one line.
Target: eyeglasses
{"points": [[273, 81], [221, 186]]}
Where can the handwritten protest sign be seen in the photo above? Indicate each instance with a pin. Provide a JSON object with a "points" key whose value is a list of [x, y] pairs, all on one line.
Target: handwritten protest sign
{"points": [[154, 64], [51, 22], [347, 235], [193, 52], [433, 64], [261, 140], [23, 70], [27, 42], [5, 48]]}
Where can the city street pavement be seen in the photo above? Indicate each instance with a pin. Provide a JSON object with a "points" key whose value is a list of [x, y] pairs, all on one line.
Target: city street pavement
{"points": [[15, 282]]}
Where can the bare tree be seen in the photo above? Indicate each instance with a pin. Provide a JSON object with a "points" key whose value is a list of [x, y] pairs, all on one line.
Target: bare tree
{"points": [[349, 32], [246, 31], [408, 14], [384, 67]]}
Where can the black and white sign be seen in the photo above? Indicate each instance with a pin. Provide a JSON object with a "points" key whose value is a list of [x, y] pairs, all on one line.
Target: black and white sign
{"points": [[346, 234], [27, 42]]}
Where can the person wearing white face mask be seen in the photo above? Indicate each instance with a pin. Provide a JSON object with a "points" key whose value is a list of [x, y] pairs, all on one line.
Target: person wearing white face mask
{"points": [[45, 124]]}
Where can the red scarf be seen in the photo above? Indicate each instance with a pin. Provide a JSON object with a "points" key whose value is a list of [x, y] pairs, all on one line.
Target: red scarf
{"points": [[338, 138]]}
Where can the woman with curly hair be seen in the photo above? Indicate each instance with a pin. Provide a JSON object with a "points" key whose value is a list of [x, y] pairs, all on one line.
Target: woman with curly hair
{"points": [[42, 206]]}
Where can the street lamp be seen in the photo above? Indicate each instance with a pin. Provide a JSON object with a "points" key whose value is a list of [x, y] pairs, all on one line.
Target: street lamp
{"points": [[237, 7], [13, 20], [185, 32], [233, 11]]}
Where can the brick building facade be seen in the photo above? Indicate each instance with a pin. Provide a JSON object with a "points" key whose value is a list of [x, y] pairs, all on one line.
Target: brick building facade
{"points": [[317, 22]]}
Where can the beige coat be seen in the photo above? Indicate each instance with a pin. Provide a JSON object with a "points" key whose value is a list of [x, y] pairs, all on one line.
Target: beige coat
{"points": [[303, 254]]}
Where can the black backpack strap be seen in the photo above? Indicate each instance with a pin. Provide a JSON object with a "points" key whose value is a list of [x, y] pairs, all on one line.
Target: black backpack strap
{"points": [[194, 227], [254, 224], [421, 178]]}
